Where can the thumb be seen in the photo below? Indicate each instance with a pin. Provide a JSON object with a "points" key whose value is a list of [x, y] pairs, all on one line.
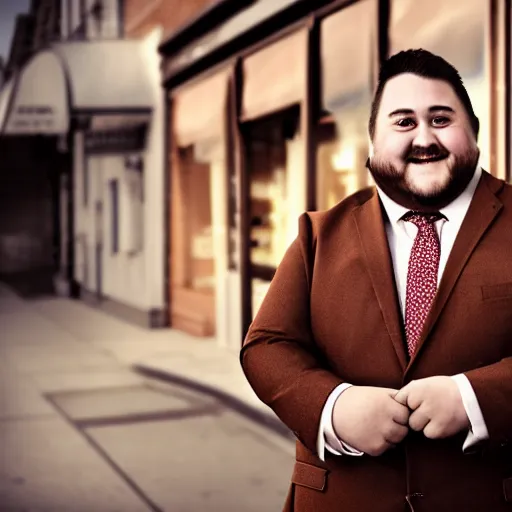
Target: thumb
{"points": [[402, 396]]}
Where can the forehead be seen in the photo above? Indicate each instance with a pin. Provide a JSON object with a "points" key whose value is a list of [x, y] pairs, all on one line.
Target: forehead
{"points": [[409, 91]]}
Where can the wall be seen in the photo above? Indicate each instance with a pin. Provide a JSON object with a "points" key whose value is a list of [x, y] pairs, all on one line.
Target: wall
{"points": [[141, 16], [134, 279], [106, 28], [123, 274], [154, 184]]}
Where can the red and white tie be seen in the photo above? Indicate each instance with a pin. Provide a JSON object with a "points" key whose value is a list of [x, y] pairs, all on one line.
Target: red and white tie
{"points": [[421, 275]]}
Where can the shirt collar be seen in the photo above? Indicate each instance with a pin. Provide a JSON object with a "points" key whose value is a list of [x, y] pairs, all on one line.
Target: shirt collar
{"points": [[457, 208]]}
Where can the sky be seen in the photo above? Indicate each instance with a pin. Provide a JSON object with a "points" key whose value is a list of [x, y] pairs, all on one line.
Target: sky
{"points": [[8, 11]]}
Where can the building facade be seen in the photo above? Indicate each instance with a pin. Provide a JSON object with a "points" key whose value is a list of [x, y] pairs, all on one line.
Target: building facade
{"points": [[29, 238], [91, 94], [207, 127], [152, 22], [268, 115]]}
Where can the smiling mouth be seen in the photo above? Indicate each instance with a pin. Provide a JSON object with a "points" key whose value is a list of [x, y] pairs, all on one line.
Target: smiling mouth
{"points": [[426, 160]]}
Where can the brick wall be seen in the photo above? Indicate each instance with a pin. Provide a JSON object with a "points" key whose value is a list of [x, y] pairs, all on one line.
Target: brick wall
{"points": [[141, 16]]}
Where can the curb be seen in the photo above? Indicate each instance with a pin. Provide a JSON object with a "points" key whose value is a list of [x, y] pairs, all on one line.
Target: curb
{"points": [[268, 420]]}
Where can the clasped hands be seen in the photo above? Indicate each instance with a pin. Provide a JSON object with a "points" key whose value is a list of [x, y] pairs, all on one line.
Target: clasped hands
{"points": [[373, 419]]}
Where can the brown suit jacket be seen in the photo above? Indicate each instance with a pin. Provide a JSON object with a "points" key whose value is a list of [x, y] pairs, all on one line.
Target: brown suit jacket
{"points": [[331, 315]]}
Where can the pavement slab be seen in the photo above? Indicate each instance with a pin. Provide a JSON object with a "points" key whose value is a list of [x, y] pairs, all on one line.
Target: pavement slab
{"points": [[81, 431], [45, 465], [200, 463], [92, 378], [122, 402]]}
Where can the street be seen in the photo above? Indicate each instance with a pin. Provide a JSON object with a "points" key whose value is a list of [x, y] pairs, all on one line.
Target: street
{"points": [[80, 431]]}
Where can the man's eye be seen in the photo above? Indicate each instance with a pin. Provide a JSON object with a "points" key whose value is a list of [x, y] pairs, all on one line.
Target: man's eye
{"points": [[440, 121], [405, 122]]}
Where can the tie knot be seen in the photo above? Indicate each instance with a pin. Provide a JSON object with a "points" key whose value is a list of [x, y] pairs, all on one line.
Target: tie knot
{"points": [[421, 219]]}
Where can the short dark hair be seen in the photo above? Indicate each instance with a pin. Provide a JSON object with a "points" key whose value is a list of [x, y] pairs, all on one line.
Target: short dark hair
{"points": [[425, 64]]}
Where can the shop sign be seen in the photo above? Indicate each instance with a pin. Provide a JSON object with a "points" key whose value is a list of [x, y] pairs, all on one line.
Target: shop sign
{"points": [[115, 141], [33, 119]]}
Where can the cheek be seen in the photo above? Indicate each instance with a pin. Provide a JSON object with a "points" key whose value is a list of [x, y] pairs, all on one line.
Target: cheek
{"points": [[456, 141], [392, 147]]}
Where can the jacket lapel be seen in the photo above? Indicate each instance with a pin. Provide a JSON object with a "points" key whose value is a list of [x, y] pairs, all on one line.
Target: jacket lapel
{"points": [[372, 235], [482, 211]]}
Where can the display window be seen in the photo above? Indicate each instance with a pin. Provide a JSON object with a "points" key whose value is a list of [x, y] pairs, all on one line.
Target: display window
{"points": [[348, 60]]}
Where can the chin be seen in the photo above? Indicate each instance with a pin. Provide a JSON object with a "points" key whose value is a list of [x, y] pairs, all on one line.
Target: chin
{"points": [[427, 180]]}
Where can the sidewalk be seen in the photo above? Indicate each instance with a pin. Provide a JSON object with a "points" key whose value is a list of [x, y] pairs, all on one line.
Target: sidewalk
{"points": [[166, 354]]}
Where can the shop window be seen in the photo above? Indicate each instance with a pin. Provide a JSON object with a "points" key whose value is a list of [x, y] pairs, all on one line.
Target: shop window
{"points": [[199, 230], [114, 215], [457, 30], [195, 171], [272, 145], [348, 61]]}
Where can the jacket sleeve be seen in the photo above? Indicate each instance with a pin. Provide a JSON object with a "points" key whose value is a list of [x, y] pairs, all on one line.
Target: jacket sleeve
{"points": [[279, 356], [493, 389]]}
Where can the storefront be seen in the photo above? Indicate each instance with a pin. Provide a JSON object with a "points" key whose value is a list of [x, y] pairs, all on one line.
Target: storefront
{"points": [[198, 284], [103, 103], [272, 125], [296, 113]]}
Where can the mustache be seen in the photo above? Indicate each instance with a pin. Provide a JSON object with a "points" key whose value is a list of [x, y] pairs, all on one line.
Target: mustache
{"points": [[430, 152]]}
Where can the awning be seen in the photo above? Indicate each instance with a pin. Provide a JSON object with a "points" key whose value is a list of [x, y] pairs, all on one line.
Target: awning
{"points": [[286, 62], [79, 78], [197, 116]]}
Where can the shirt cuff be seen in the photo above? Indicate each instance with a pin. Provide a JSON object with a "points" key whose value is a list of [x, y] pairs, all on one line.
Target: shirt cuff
{"points": [[327, 438], [478, 431]]}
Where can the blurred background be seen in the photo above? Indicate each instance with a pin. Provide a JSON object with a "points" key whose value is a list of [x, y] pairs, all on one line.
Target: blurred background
{"points": [[155, 156]]}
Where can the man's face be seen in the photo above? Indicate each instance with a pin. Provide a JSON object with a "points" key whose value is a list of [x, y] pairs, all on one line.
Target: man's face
{"points": [[424, 149]]}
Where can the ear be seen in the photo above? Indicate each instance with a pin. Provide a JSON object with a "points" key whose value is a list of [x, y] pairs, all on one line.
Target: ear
{"points": [[370, 148], [476, 126]]}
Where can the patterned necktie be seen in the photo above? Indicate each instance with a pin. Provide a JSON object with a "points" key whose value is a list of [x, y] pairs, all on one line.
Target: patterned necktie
{"points": [[421, 275]]}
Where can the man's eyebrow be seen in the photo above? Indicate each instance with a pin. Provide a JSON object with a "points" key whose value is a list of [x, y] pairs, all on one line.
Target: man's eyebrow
{"points": [[441, 108], [433, 108]]}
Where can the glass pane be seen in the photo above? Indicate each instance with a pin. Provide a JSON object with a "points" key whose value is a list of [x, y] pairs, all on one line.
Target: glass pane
{"points": [[198, 233], [456, 30], [273, 148], [348, 57]]}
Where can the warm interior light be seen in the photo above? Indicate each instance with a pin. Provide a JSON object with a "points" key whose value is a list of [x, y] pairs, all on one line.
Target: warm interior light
{"points": [[344, 159]]}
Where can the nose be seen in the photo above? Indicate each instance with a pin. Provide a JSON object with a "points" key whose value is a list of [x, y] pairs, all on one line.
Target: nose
{"points": [[424, 136]]}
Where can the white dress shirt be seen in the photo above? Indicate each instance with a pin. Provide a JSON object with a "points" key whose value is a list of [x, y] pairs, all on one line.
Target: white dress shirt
{"points": [[401, 236]]}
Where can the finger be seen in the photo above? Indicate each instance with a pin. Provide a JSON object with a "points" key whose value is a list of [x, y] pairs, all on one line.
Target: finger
{"points": [[415, 394], [401, 414], [432, 431], [397, 434], [402, 396], [418, 420]]}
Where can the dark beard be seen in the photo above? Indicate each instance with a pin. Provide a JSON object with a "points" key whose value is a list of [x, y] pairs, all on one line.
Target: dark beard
{"points": [[393, 183]]}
